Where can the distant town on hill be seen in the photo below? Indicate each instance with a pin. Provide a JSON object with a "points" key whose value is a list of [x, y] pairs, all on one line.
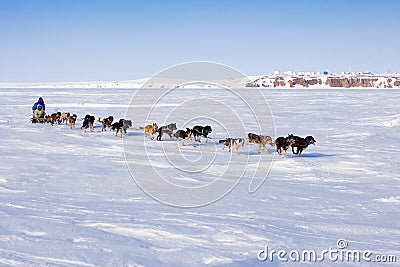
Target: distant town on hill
{"points": [[291, 79]]}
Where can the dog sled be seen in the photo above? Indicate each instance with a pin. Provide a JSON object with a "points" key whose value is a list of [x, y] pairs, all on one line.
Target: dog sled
{"points": [[38, 120]]}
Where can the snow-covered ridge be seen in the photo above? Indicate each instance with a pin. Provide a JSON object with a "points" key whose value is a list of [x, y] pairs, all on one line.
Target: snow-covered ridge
{"points": [[276, 80]]}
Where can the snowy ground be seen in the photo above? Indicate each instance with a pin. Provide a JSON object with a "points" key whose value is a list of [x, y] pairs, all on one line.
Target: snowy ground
{"points": [[67, 198]]}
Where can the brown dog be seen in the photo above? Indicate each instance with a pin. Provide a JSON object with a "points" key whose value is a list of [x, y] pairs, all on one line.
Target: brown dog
{"points": [[72, 120], [64, 117], [151, 129], [106, 122], [261, 141], [55, 118]]}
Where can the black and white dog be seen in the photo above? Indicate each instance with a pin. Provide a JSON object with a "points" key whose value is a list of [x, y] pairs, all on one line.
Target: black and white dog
{"points": [[168, 129], [232, 143], [185, 135], [199, 131], [121, 126], [283, 143]]}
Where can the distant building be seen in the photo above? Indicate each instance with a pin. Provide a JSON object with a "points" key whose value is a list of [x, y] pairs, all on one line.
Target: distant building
{"points": [[277, 72], [288, 72]]}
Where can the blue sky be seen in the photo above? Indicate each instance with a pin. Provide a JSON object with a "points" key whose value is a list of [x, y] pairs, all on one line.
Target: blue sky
{"points": [[73, 40]]}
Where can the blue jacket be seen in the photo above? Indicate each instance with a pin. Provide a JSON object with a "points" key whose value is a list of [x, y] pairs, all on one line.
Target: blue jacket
{"points": [[38, 103]]}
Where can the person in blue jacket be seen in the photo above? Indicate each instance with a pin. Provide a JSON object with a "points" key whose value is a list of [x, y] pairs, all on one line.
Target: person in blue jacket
{"points": [[39, 102], [38, 109]]}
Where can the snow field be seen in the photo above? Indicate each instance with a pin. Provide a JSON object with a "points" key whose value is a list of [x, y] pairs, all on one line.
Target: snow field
{"points": [[67, 198]]}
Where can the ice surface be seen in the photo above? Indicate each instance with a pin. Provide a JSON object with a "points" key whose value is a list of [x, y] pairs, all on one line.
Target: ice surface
{"points": [[67, 198]]}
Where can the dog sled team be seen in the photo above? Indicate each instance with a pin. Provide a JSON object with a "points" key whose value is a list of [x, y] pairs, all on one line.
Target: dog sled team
{"points": [[40, 116], [282, 144]]}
